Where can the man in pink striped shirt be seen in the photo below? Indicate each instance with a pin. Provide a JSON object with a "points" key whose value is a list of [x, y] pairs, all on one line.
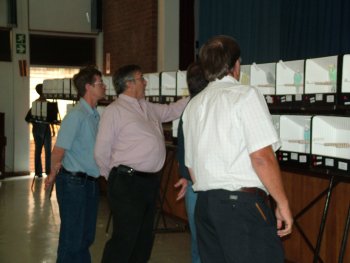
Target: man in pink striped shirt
{"points": [[130, 152]]}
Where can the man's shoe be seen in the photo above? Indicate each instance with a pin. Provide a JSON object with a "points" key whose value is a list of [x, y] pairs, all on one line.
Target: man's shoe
{"points": [[39, 175]]}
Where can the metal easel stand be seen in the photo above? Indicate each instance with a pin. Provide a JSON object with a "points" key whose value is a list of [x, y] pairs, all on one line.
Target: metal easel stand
{"points": [[323, 220], [165, 180], [333, 182], [345, 237], [327, 192]]}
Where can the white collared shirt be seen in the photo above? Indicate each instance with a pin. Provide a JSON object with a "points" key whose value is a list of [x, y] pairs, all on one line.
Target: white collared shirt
{"points": [[222, 126]]}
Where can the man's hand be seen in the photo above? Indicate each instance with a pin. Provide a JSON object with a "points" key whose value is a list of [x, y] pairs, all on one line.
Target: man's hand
{"points": [[182, 183], [267, 169], [284, 219], [49, 181], [56, 164], [51, 178]]}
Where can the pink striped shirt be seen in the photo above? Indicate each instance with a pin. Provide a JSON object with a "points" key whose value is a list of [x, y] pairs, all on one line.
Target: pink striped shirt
{"points": [[131, 133]]}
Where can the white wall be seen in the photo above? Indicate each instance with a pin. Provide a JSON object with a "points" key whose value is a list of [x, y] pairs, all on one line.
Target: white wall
{"points": [[14, 100], [168, 35], [61, 16]]}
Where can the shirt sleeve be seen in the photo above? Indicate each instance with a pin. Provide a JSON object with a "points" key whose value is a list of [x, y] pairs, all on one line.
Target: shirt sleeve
{"points": [[169, 112], [258, 128], [104, 141], [187, 141], [68, 130]]}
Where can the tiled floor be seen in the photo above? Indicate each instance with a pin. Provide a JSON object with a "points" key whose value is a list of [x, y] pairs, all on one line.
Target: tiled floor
{"points": [[29, 226]]}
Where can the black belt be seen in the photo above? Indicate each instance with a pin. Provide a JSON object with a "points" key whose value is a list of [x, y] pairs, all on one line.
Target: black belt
{"points": [[80, 174], [131, 171], [254, 190]]}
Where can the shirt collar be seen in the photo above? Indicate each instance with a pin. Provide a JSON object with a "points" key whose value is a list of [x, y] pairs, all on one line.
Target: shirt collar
{"points": [[228, 78], [130, 99], [86, 106]]}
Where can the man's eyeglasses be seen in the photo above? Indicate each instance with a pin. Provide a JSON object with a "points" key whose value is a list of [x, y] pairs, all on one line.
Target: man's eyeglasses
{"points": [[141, 78], [101, 83]]}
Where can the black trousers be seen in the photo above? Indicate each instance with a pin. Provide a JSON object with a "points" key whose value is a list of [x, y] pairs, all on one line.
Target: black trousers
{"points": [[42, 138], [236, 227], [132, 199]]}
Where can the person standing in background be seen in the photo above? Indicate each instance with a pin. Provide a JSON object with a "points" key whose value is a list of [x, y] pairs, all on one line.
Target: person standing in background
{"points": [[130, 151], [42, 138], [230, 141], [76, 172], [196, 83]]}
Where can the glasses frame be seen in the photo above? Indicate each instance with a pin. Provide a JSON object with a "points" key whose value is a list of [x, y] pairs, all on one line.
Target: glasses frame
{"points": [[100, 83]]}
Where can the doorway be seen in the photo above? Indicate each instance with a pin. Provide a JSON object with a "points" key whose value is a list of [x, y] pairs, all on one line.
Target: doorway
{"points": [[37, 76]]}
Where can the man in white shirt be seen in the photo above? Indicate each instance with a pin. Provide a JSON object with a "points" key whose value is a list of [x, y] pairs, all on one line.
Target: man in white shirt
{"points": [[230, 142]]}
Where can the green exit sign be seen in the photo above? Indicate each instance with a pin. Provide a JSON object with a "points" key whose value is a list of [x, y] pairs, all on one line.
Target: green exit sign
{"points": [[20, 43]]}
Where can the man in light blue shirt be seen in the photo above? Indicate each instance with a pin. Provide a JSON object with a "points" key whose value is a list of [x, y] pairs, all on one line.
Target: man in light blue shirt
{"points": [[75, 170]]}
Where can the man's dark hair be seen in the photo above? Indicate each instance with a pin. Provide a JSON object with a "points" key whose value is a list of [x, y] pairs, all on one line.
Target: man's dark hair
{"points": [[218, 56], [195, 78], [85, 76], [39, 89], [122, 75]]}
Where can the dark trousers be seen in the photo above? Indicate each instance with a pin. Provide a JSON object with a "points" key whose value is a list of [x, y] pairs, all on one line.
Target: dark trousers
{"points": [[132, 200], [236, 227], [42, 138], [78, 203]]}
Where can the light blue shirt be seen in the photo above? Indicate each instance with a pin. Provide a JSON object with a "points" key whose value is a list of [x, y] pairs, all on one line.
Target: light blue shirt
{"points": [[77, 137]]}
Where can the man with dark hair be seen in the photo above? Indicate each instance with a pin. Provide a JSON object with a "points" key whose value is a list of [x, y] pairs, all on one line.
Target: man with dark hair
{"points": [[229, 142], [196, 83], [130, 152], [75, 170]]}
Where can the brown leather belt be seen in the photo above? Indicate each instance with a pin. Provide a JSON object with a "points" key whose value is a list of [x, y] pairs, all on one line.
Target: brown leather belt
{"points": [[254, 190]]}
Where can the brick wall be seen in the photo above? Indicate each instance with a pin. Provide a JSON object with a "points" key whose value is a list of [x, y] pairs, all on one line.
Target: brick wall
{"points": [[130, 33]]}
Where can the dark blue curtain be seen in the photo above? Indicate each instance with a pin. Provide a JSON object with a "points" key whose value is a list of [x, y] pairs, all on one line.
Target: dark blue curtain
{"points": [[314, 28], [254, 24], [270, 30]]}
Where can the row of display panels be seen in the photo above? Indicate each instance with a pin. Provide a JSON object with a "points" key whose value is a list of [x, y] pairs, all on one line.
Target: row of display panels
{"points": [[170, 84], [324, 80], [316, 141], [313, 141], [303, 135]]}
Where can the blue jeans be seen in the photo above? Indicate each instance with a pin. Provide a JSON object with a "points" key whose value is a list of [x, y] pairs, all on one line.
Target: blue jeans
{"points": [[42, 138], [191, 199], [78, 202]]}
